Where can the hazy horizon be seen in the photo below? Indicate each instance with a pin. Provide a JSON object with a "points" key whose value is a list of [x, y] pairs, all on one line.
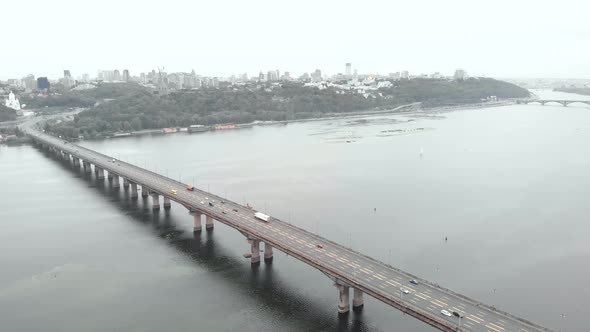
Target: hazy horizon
{"points": [[506, 40]]}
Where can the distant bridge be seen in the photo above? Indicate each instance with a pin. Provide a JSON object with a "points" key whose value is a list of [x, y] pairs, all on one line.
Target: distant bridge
{"points": [[558, 101]]}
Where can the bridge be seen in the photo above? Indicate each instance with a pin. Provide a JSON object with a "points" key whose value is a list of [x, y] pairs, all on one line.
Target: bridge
{"points": [[557, 101], [347, 269]]}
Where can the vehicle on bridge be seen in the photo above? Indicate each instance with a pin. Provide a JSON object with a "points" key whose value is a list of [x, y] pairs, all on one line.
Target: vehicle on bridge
{"points": [[190, 188], [173, 191], [262, 216]]}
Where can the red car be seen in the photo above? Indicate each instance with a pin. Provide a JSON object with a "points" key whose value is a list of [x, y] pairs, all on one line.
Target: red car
{"points": [[321, 246], [190, 188]]}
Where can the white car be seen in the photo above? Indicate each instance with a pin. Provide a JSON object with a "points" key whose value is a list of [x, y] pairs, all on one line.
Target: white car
{"points": [[446, 313], [405, 291]]}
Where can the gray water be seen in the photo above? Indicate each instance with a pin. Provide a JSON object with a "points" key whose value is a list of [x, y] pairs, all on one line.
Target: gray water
{"points": [[508, 186]]}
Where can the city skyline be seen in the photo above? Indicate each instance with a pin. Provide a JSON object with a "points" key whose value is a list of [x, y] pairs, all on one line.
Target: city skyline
{"points": [[225, 39]]}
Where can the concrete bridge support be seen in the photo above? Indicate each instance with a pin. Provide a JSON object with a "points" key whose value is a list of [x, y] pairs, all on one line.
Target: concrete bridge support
{"points": [[255, 250], [209, 223], [133, 190], [167, 203], [155, 201], [76, 161], [99, 173], [110, 176], [144, 191], [268, 254], [196, 221], [125, 183], [86, 166], [357, 300], [116, 183], [343, 299]]}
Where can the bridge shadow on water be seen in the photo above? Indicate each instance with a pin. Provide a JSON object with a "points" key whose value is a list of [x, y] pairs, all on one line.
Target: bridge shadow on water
{"points": [[259, 282]]}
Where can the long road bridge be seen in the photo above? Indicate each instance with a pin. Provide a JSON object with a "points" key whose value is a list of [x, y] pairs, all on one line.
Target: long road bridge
{"points": [[555, 101], [347, 268]]}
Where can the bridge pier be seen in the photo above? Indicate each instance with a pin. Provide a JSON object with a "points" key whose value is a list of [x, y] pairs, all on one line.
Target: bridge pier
{"points": [[196, 221], [99, 173], [86, 166], [255, 250], [116, 183], [110, 176], [125, 183], [133, 190], [155, 202], [357, 300], [267, 253], [209, 223], [76, 161], [343, 300], [144, 191], [167, 203]]}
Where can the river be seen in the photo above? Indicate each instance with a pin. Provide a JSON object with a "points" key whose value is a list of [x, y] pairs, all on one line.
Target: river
{"points": [[508, 186]]}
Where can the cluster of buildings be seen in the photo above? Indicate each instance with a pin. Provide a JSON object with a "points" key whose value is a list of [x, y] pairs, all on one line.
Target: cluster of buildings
{"points": [[165, 82]]}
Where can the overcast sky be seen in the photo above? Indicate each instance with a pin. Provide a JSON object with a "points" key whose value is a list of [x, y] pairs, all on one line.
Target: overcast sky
{"points": [[501, 38]]}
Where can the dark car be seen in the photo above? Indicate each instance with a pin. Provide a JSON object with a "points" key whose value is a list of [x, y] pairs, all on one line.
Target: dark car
{"points": [[210, 204], [413, 282], [458, 314], [235, 210]]}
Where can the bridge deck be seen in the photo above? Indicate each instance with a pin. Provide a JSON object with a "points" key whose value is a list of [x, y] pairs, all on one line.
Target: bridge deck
{"points": [[347, 266]]}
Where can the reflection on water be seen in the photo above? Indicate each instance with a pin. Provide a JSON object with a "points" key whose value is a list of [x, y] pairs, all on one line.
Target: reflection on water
{"points": [[507, 186]]}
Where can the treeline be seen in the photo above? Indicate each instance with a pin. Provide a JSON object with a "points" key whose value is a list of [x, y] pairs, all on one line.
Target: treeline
{"points": [[443, 92], [82, 98], [580, 91], [142, 109], [7, 114]]}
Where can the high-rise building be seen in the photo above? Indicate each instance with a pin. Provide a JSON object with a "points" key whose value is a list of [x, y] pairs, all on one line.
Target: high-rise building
{"points": [[126, 75], [348, 70], [286, 76], [355, 75], [261, 77], [43, 84], [316, 76], [116, 75], [269, 75], [404, 75], [68, 81], [30, 83], [460, 74], [277, 75]]}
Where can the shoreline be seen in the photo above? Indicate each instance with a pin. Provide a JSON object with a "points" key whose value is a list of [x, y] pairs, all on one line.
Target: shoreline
{"points": [[412, 108]]}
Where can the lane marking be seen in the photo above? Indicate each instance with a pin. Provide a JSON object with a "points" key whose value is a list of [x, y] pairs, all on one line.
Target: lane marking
{"points": [[488, 326], [437, 304], [471, 319], [500, 327], [421, 296], [441, 302]]}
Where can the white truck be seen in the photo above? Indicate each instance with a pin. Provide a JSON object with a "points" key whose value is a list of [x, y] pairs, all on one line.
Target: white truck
{"points": [[261, 216]]}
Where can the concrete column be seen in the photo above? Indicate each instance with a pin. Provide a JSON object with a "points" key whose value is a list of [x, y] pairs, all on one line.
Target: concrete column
{"points": [[267, 252], [197, 221], [144, 191], [110, 176], [255, 250], [86, 166], [133, 190], [357, 299], [116, 183], [167, 203], [344, 299], [76, 161], [99, 173], [155, 202], [125, 183], [209, 223]]}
